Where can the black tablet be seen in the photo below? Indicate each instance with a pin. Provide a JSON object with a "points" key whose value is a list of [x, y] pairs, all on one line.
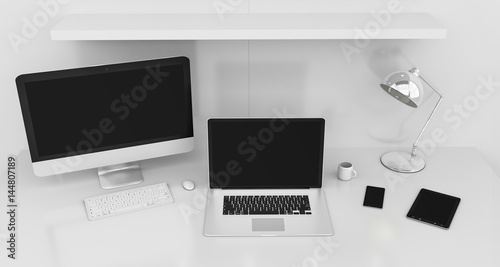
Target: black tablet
{"points": [[434, 208]]}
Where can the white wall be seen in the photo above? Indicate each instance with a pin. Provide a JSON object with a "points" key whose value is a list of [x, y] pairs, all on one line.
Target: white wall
{"points": [[307, 78]]}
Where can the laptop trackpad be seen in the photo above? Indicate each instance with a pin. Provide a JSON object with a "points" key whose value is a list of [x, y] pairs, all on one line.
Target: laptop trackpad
{"points": [[268, 224]]}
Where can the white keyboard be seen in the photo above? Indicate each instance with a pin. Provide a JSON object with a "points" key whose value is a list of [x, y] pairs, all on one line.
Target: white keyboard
{"points": [[125, 201]]}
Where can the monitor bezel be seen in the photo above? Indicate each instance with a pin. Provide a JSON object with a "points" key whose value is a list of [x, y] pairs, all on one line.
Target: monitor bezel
{"points": [[66, 163]]}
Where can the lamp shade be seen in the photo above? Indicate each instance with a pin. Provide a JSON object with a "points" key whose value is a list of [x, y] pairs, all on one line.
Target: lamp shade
{"points": [[405, 86]]}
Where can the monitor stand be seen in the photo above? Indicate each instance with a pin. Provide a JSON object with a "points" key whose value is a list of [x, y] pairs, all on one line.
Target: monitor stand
{"points": [[119, 175]]}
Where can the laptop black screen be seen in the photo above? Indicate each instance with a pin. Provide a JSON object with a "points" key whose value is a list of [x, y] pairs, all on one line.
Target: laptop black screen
{"points": [[266, 153]]}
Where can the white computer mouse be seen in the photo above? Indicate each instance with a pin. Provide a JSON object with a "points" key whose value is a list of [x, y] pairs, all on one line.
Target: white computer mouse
{"points": [[188, 185]]}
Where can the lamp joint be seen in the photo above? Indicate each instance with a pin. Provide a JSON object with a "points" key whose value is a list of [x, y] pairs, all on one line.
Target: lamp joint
{"points": [[414, 71]]}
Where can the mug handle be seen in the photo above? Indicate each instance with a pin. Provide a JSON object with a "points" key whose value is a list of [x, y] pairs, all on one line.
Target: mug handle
{"points": [[354, 173]]}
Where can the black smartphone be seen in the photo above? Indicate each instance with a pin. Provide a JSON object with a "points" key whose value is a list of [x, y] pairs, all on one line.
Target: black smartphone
{"points": [[374, 197]]}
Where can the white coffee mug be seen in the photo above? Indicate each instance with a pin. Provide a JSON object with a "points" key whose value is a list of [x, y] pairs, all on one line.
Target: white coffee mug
{"points": [[346, 171]]}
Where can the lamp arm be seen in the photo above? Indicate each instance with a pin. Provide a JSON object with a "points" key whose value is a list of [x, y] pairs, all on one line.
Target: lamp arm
{"points": [[414, 150], [430, 85]]}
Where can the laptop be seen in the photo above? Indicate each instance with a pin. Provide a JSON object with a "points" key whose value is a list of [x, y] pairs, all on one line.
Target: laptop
{"points": [[265, 177]]}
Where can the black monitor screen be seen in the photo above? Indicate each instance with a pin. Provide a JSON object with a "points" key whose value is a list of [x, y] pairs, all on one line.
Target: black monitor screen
{"points": [[266, 153], [106, 107]]}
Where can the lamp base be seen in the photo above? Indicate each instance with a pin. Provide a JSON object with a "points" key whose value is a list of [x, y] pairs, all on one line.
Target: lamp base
{"points": [[400, 161]]}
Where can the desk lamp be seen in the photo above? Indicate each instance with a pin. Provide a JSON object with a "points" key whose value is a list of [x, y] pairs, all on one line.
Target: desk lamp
{"points": [[406, 86]]}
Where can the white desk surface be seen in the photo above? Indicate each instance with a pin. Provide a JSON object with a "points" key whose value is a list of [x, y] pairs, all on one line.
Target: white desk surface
{"points": [[54, 230]]}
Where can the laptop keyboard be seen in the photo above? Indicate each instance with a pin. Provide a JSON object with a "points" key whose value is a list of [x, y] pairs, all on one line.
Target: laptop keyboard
{"points": [[265, 205]]}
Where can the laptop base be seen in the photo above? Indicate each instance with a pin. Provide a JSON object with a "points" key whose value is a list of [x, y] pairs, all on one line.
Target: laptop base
{"points": [[316, 224]]}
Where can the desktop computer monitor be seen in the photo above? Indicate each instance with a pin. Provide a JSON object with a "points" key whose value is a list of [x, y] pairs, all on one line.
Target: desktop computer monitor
{"points": [[108, 117]]}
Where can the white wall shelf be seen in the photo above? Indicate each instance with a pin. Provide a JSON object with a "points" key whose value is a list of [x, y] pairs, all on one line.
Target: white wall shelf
{"points": [[246, 27]]}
